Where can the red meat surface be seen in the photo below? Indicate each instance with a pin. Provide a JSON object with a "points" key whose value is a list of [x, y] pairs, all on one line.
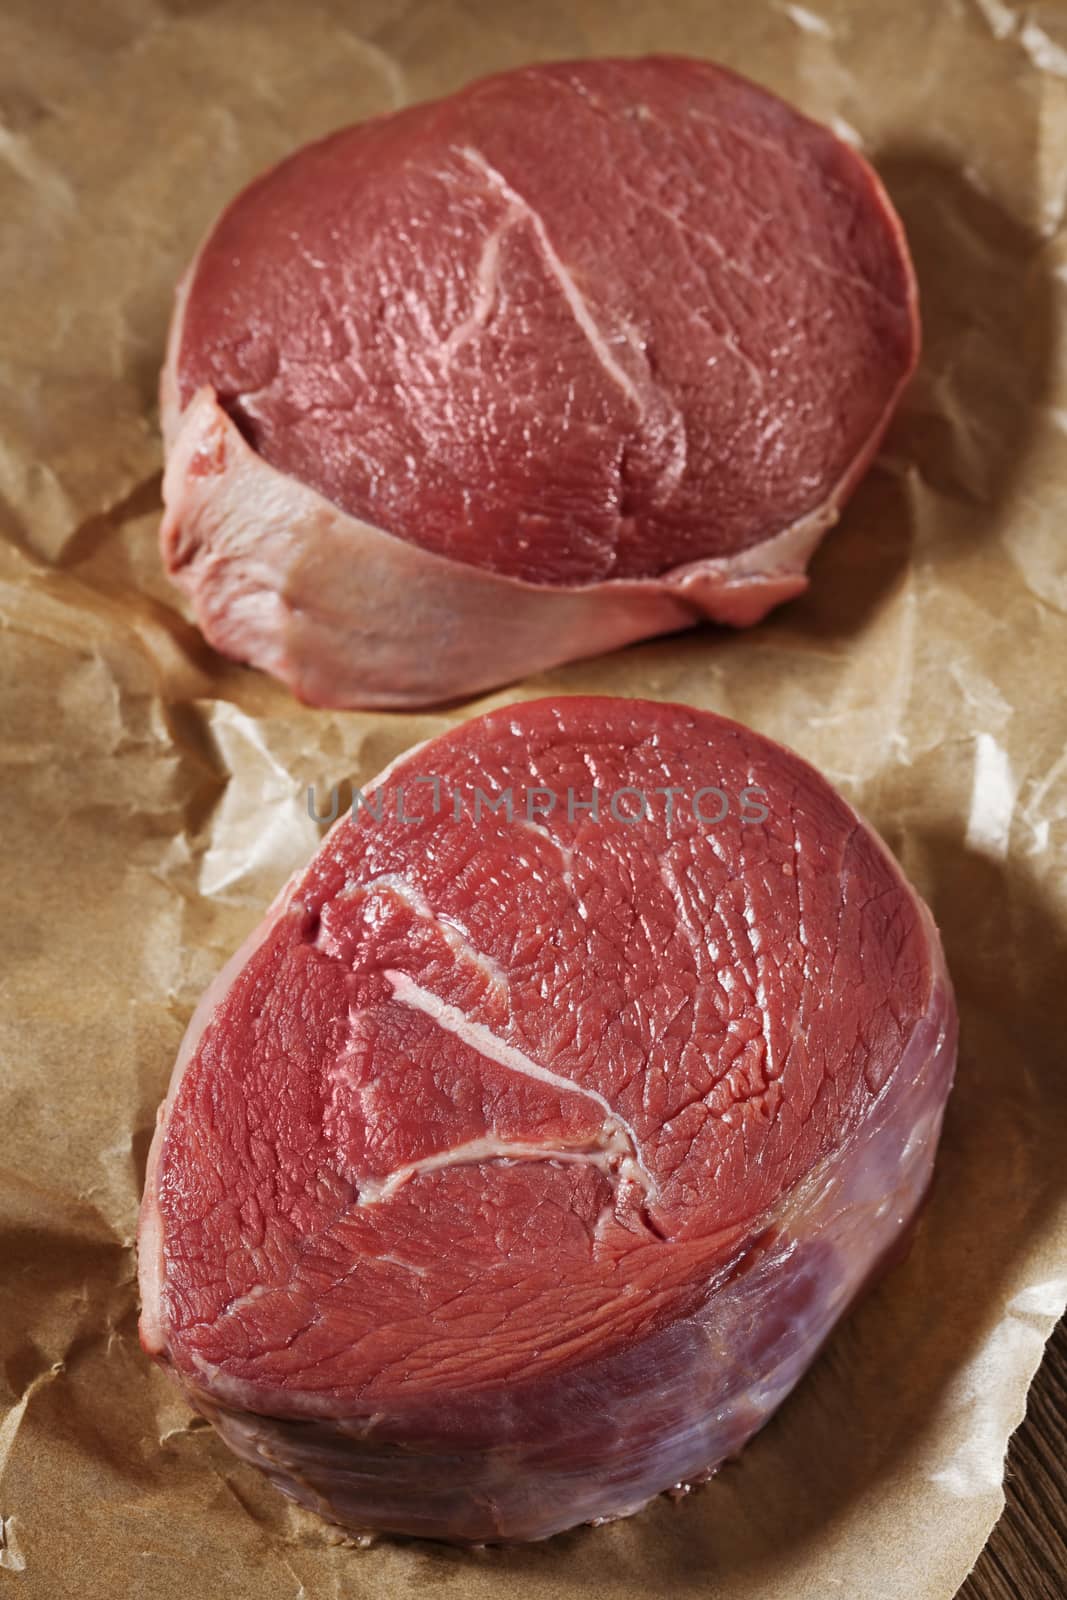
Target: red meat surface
{"points": [[609, 342], [522, 1160]]}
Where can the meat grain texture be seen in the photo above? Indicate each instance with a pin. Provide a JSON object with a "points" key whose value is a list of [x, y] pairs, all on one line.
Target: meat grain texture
{"points": [[584, 353], [518, 1166]]}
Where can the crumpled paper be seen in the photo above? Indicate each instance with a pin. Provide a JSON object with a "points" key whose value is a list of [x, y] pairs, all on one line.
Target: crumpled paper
{"points": [[155, 795]]}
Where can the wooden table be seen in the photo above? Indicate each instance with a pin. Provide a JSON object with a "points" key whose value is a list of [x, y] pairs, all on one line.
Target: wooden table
{"points": [[1026, 1557]]}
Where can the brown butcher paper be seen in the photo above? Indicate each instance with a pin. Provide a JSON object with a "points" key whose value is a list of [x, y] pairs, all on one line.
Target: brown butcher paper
{"points": [[155, 795]]}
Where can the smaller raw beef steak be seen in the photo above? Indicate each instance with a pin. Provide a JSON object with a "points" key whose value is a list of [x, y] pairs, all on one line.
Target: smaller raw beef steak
{"points": [[522, 1160], [584, 353]]}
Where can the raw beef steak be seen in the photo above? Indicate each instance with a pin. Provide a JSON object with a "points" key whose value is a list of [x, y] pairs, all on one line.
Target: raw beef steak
{"points": [[581, 354], [521, 1161]]}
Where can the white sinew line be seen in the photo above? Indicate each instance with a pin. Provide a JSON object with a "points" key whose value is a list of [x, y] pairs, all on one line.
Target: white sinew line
{"points": [[485, 293], [579, 310], [483, 1039], [476, 1151], [412, 896], [486, 1043]]}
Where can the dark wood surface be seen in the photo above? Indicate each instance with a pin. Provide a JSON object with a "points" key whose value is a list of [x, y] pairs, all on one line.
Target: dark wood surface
{"points": [[1026, 1557]]}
